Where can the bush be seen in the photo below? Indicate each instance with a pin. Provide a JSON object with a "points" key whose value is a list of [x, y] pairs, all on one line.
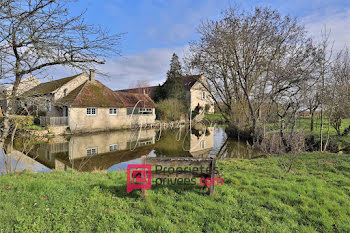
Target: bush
{"points": [[314, 145], [22, 121], [170, 109]]}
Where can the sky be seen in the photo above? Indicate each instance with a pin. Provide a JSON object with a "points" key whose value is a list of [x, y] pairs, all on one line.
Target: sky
{"points": [[155, 29]]}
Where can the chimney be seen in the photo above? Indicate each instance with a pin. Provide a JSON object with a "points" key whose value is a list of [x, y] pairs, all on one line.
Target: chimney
{"points": [[92, 75]]}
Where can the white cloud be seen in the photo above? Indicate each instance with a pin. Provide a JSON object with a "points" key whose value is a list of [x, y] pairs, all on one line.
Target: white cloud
{"points": [[150, 65], [338, 22]]}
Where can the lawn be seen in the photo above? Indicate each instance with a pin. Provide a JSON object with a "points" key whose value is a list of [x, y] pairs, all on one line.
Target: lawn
{"points": [[257, 196]]}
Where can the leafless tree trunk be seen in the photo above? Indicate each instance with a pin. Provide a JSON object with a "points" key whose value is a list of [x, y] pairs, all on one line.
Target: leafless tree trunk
{"points": [[324, 63]]}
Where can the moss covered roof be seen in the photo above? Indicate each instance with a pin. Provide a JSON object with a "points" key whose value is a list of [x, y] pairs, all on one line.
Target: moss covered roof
{"points": [[48, 87], [91, 94]]}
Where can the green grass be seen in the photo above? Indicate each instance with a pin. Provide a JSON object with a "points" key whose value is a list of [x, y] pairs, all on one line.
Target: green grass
{"points": [[35, 127], [257, 196]]}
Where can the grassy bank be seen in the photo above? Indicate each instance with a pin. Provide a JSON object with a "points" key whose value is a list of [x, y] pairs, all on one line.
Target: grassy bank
{"points": [[256, 196]]}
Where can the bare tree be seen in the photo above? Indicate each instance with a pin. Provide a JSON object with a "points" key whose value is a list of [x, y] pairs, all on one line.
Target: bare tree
{"points": [[339, 90], [251, 57], [325, 51], [38, 34]]}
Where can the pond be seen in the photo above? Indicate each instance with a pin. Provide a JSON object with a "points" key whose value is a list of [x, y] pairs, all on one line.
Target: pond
{"points": [[115, 150]]}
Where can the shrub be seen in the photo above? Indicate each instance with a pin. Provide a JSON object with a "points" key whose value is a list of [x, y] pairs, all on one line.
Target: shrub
{"points": [[170, 109], [22, 121]]}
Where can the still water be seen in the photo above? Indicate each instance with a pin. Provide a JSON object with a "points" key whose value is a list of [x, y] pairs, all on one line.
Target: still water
{"points": [[115, 150]]}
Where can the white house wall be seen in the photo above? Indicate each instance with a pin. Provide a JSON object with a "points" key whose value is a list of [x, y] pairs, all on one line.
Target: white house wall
{"points": [[80, 121], [196, 97]]}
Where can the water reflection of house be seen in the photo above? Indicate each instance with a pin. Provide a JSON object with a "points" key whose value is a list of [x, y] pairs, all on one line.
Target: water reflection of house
{"points": [[87, 145], [96, 151], [185, 143], [202, 142]]}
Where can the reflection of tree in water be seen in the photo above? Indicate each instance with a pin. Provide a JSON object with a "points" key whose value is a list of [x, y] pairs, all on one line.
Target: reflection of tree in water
{"points": [[234, 149], [171, 143], [15, 152]]}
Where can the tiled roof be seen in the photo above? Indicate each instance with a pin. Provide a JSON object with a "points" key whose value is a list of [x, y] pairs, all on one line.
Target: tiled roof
{"points": [[141, 90], [131, 99], [190, 80], [48, 87], [91, 94]]}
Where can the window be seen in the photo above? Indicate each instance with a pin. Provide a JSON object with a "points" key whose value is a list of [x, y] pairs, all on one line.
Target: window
{"points": [[65, 92], [91, 151], [145, 111], [203, 95], [139, 111], [139, 143], [129, 111], [113, 147], [113, 111], [202, 144], [91, 111]]}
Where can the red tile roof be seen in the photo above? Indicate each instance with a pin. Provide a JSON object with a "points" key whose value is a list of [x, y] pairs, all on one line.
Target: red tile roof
{"points": [[141, 90], [131, 99], [188, 82]]}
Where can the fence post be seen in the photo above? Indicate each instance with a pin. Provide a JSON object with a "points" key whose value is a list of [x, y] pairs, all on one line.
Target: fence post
{"points": [[144, 191], [212, 176]]}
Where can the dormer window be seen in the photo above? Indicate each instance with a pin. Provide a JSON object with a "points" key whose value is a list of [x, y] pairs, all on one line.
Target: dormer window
{"points": [[65, 92]]}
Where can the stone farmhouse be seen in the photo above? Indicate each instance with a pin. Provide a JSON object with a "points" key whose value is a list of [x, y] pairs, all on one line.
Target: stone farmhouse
{"points": [[84, 104], [25, 85], [197, 94]]}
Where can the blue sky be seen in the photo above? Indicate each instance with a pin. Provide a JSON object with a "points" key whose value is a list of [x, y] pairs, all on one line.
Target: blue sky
{"points": [[157, 28]]}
